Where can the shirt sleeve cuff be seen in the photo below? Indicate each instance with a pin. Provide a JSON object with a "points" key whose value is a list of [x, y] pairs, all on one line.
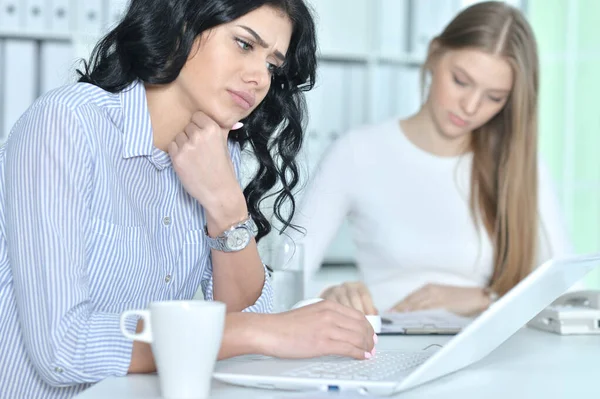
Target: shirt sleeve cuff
{"points": [[264, 303], [108, 350]]}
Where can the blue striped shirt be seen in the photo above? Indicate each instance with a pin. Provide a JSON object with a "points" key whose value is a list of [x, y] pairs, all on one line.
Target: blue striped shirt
{"points": [[93, 221]]}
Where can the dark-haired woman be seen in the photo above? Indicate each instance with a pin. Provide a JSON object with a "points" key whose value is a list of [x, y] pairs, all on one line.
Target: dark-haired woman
{"points": [[123, 189]]}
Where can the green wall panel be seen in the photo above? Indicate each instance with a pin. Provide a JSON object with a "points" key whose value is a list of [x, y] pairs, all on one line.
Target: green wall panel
{"points": [[550, 22]]}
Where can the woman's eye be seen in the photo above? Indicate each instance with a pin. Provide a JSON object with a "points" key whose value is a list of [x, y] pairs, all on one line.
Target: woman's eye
{"points": [[458, 81], [244, 45], [496, 99]]}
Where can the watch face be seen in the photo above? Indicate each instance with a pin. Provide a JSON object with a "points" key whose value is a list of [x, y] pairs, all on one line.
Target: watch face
{"points": [[238, 239]]}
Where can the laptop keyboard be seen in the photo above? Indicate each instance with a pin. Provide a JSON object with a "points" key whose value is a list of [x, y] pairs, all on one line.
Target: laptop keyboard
{"points": [[380, 367]]}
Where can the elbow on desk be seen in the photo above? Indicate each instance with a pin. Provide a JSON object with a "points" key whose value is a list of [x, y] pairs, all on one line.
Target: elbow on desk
{"points": [[57, 374]]}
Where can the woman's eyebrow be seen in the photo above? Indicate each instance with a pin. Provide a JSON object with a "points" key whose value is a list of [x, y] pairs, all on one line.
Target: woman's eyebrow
{"points": [[261, 42]]}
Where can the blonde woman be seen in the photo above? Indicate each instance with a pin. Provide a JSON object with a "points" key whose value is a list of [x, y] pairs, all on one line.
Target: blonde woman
{"points": [[448, 208]]}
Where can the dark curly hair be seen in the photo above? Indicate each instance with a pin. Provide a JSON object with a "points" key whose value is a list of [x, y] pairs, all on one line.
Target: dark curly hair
{"points": [[152, 43]]}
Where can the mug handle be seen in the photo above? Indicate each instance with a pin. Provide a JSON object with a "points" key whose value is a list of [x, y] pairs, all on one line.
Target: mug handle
{"points": [[146, 334]]}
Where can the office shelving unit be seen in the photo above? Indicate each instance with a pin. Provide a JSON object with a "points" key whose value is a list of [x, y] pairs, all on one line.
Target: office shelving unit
{"points": [[370, 55], [40, 43]]}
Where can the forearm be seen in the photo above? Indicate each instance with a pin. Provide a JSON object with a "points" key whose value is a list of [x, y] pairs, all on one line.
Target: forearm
{"points": [[238, 277], [242, 335], [142, 359]]}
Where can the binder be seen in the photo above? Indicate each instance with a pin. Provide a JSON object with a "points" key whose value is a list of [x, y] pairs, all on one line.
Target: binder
{"points": [[59, 16], [19, 77], [116, 11], [428, 21], [89, 17], [355, 96], [36, 16], [408, 91], [384, 92], [342, 25], [58, 63], [331, 116], [339, 96], [393, 28], [11, 14], [315, 109]]}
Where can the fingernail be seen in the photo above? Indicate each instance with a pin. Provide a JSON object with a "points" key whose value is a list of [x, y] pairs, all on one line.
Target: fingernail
{"points": [[368, 355], [237, 126], [373, 352], [375, 339]]}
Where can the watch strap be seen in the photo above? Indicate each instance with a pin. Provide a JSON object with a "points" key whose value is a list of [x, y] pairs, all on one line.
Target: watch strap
{"points": [[220, 242]]}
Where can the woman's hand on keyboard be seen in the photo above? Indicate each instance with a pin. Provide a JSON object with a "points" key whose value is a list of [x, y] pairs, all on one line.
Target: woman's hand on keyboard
{"points": [[321, 329], [353, 294]]}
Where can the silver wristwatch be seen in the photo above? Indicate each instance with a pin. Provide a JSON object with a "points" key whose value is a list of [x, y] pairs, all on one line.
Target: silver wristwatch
{"points": [[491, 295], [235, 238]]}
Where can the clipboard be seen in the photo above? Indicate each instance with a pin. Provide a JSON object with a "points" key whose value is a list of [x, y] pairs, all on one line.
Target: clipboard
{"points": [[425, 322]]}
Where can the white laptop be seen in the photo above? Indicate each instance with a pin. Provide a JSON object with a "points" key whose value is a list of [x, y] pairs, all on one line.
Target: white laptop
{"points": [[394, 371]]}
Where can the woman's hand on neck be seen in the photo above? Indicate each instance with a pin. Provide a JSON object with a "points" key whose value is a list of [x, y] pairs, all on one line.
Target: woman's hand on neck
{"points": [[170, 113], [198, 148]]}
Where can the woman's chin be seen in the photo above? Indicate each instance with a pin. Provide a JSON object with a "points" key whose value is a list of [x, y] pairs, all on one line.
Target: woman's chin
{"points": [[453, 132]]}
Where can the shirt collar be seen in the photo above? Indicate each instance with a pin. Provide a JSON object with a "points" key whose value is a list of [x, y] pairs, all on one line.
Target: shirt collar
{"points": [[137, 127]]}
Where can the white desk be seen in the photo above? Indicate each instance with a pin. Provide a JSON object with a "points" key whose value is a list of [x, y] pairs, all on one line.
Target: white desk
{"points": [[531, 364]]}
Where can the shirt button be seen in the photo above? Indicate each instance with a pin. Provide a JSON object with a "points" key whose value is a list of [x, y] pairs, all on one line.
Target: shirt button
{"points": [[58, 369], [167, 278], [166, 220]]}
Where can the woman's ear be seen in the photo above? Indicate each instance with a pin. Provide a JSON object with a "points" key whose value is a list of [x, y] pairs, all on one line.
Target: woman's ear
{"points": [[433, 54], [434, 47], [198, 42]]}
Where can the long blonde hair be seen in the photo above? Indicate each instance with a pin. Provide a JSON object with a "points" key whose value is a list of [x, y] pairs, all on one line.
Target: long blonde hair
{"points": [[504, 175]]}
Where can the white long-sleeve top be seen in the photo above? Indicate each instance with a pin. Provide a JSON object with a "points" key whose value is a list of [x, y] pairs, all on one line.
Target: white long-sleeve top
{"points": [[409, 214]]}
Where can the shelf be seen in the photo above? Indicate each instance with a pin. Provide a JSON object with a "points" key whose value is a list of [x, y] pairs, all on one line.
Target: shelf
{"points": [[329, 55], [403, 59], [342, 56], [35, 35], [400, 59]]}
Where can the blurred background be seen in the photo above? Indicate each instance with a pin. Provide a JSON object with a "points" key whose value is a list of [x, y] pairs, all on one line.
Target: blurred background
{"points": [[370, 55]]}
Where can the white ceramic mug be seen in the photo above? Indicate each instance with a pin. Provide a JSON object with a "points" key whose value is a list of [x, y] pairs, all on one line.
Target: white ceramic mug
{"points": [[185, 338]]}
